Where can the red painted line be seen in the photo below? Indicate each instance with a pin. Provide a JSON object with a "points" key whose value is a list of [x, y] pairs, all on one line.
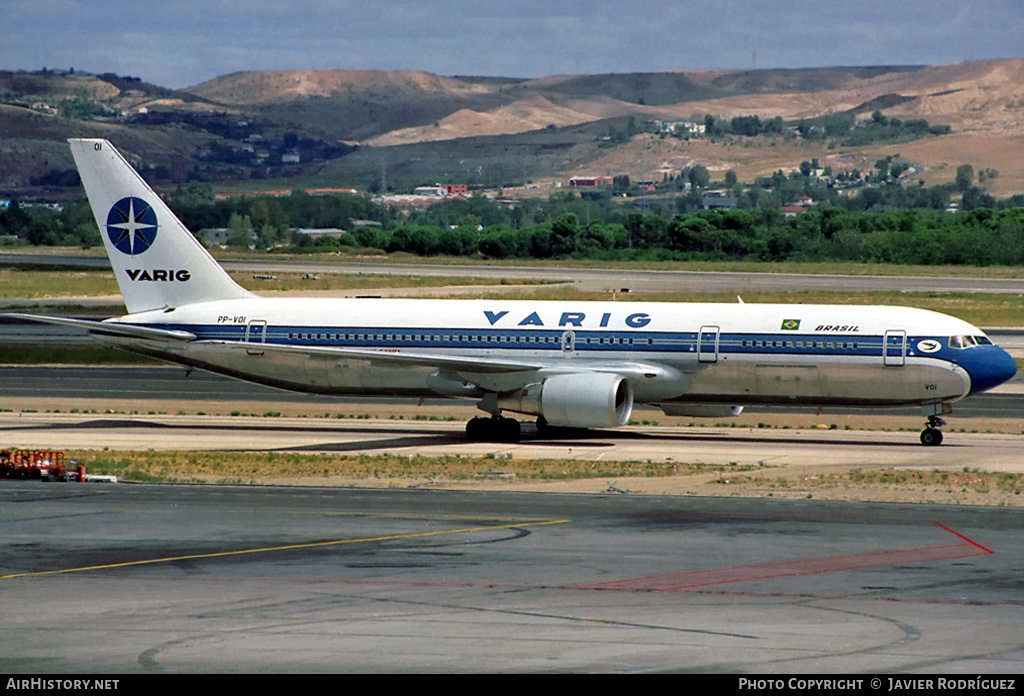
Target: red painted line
{"points": [[969, 541], [674, 582]]}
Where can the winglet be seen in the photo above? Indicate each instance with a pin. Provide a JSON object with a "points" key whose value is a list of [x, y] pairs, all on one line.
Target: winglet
{"points": [[157, 261]]}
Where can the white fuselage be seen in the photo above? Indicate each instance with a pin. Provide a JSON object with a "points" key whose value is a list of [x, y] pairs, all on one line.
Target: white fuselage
{"points": [[671, 352]]}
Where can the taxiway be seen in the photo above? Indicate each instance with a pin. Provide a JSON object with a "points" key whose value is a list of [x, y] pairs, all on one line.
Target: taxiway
{"points": [[152, 579]]}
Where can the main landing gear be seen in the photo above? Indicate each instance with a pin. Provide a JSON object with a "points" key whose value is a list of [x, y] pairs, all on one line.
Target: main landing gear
{"points": [[932, 436], [496, 428]]}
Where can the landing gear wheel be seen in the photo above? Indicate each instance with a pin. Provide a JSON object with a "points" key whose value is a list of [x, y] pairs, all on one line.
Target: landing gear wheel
{"points": [[543, 428], [494, 429], [476, 429], [510, 430], [931, 437]]}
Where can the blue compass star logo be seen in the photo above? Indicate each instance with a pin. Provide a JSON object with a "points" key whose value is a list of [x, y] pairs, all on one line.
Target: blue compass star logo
{"points": [[131, 225]]}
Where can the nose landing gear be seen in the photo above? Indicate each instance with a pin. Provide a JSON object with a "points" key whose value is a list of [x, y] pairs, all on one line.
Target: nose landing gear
{"points": [[931, 436]]}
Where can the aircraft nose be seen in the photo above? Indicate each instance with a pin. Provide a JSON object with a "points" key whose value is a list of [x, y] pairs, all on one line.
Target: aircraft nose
{"points": [[990, 367]]}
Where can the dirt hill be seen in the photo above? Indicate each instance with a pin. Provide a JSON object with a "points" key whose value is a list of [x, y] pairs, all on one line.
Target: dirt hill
{"points": [[267, 87], [533, 128], [968, 95], [983, 102]]}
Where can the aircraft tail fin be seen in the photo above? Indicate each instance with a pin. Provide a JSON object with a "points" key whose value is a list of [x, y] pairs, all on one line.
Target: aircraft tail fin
{"points": [[157, 261]]}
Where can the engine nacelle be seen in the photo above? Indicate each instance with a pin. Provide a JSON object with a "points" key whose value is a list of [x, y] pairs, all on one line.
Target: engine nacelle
{"points": [[580, 400], [701, 410]]}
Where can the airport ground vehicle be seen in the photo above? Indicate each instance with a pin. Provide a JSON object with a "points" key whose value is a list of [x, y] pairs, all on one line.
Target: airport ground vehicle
{"points": [[48, 465]]}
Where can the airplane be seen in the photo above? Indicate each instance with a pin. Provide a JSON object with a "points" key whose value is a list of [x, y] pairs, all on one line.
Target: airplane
{"points": [[570, 364]]}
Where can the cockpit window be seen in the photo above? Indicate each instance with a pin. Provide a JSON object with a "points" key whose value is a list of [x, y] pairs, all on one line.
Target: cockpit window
{"points": [[962, 341], [983, 340]]}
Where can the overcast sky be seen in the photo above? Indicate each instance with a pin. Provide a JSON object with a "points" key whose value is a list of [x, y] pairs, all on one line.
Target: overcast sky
{"points": [[179, 43]]}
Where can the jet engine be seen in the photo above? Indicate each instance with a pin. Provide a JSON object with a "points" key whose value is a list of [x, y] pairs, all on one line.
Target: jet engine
{"points": [[579, 400]]}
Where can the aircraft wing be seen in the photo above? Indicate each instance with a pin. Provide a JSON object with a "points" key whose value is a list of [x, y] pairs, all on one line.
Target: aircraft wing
{"points": [[451, 362], [636, 371], [109, 328]]}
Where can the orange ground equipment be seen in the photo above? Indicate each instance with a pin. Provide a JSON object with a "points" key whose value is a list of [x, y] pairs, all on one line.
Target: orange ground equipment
{"points": [[47, 465]]}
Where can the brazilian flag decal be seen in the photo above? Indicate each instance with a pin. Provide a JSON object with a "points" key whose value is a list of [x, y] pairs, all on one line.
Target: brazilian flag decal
{"points": [[790, 324]]}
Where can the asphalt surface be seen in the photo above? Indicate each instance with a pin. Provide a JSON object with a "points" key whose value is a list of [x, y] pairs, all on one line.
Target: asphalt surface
{"points": [[160, 579]]}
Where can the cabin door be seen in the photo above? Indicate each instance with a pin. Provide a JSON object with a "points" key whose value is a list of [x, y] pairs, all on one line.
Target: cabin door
{"points": [[707, 344], [568, 342], [255, 332], [894, 349]]}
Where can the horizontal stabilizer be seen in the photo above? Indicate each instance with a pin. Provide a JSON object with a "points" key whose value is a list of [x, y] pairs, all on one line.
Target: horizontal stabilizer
{"points": [[108, 328]]}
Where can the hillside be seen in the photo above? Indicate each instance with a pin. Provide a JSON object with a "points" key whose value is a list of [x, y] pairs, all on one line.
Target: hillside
{"points": [[416, 126]]}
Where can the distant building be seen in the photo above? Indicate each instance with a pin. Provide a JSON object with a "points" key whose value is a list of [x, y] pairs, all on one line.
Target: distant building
{"points": [[718, 200], [219, 236], [214, 235], [680, 127], [590, 181], [321, 232], [366, 223], [442, 190]]}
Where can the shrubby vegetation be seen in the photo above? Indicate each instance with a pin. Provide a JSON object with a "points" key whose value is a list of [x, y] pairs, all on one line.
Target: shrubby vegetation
{"points": [[835, 129], [843, 129], [43, 226], [980, 237], [884, 223]]}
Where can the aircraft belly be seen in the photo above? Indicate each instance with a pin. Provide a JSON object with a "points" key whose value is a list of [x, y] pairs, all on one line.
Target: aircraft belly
{"points": [[294, 372], [322, 375], [369, 378], [874, 384]]}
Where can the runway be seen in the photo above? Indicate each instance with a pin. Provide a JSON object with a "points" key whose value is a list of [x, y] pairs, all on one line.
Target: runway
{"points": [[589, 279], [153, 579], [739, 446]]}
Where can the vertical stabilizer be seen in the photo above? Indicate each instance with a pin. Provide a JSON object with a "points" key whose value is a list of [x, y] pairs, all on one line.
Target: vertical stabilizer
{"points": [[157, 261]]}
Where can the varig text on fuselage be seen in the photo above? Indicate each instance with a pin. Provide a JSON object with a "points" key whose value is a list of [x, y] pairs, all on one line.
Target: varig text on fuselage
{"points": [[635, 320]]}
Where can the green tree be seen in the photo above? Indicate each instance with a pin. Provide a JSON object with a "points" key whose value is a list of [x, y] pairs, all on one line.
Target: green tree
{"points": [[502, 242], [964, 177], [565, 231], [240, 231], [699, 176]]}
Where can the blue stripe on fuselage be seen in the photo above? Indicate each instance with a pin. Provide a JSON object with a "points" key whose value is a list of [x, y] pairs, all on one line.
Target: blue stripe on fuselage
{"points": [[753, 344]]}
